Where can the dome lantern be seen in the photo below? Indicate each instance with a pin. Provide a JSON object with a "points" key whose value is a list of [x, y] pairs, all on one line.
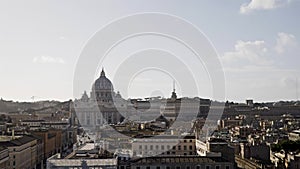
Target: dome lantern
{"points": [[102, 73]]}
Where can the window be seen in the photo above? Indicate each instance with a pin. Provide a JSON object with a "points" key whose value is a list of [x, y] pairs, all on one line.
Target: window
{"points": [[184, 147], [138, 167], [151, 147], [188, 167], [168, 167], [140, 147], [227, 167], [179, 147], [207, 167], [198, 167], [158, 167], [146, 147], [191, 147], [177, 167], [156, 147], [217, 167], [148, 167], [162, 147]]}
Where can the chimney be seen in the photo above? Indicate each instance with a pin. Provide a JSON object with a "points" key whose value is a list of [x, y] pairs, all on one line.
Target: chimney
{"points": [[12, 134]]}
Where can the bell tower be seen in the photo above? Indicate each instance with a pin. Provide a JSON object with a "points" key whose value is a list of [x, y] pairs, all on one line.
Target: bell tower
{"points": [[174, 95]]}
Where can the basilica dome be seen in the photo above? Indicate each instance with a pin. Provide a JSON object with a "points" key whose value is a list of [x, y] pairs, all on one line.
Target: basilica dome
{"points": [[102, 83]]}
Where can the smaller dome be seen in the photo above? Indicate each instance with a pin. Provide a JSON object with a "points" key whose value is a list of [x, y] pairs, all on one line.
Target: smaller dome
{"points": [[118, 95], [84, 97]]}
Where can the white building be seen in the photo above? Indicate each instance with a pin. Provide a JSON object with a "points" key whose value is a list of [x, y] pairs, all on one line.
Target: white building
{"points": [[166, 145], [55, 162]]}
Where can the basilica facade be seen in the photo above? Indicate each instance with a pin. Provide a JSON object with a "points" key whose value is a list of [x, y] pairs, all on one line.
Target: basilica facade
{"points": [[100, 108]]}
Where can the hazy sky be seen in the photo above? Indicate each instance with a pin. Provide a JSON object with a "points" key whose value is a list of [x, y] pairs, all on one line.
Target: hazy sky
{"points": [[257, 42]]}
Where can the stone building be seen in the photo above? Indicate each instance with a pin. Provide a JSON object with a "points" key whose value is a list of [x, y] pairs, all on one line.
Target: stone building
{"points": [[176, 162], [4, 157], [254, 156], [55, 162], [295, 163], [54, 140], [258, 151], [22, 151], [244, 131], [215, 147], [167, 145], [294, 135], [100, 108]]}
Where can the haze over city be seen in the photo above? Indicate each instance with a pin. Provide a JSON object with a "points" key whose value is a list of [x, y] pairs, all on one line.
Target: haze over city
{"points": [[257, 42]]}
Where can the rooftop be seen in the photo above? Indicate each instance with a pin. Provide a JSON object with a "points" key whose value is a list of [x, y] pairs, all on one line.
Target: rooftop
{"points": [[56, 161], [18, 141], [177, 159], [296, 131]]}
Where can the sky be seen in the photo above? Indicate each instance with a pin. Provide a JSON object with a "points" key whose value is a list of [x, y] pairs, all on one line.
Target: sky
{"points": [[257, 42]]}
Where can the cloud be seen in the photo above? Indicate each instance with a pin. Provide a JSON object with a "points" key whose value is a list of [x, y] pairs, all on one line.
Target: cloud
{"points": [[262, 5], [254, 52], [48, 59], [285, 42], [289, 81], [62, 38], [258, 67]]}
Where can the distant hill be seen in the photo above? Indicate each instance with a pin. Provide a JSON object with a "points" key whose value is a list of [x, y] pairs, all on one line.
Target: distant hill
{"points": [[11, 106]]}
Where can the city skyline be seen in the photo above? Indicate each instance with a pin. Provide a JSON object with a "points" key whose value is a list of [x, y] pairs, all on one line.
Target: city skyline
{"points": [[257, 43]]}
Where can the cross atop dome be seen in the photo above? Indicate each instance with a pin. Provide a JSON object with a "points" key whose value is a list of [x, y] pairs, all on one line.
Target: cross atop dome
{"points": [[102, 72]]}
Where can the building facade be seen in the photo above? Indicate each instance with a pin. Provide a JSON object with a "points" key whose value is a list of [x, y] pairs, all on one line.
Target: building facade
{"points": [[4, 157], [99, 108], [176, 162], [22, 152], [168, 145]]}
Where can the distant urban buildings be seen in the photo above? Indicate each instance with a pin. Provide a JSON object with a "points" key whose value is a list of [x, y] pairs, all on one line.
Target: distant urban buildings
{"points": [[146, 133], [105, 106]]}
